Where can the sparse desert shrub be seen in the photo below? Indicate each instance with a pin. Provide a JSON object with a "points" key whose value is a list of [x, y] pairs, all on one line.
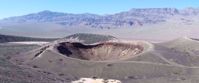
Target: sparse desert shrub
{"points": [[109, 65], [50, 61], [29, 76], [34, 66], [60, 59], [61, 74], [182, 78], [8, 57], [132, 77]]}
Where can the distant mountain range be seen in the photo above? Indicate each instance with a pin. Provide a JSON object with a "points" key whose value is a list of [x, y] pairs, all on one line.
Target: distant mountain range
{"points": [[131, 18]]}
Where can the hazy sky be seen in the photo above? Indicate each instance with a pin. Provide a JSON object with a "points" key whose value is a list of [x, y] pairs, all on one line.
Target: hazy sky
{"points": [[21, 7]]}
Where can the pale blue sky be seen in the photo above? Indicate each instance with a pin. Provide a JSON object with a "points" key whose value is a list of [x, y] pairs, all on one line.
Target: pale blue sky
{"points": [[20, 7]]}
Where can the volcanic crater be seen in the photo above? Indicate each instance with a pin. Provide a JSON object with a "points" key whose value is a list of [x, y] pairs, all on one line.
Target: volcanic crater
{"points": [[104, 51]]}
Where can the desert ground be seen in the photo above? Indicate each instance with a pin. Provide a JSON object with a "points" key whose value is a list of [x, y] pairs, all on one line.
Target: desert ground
{"points": [[75, 58]]}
